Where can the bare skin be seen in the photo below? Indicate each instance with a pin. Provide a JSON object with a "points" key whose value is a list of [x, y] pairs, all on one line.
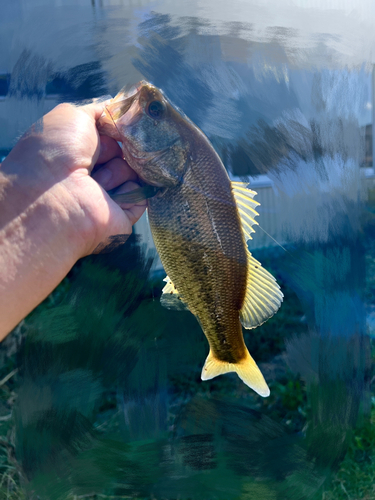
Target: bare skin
{"points": [[54, 208]]}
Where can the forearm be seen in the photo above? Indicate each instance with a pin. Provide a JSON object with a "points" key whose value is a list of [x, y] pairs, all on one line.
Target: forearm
{"points": [[39, 242]]}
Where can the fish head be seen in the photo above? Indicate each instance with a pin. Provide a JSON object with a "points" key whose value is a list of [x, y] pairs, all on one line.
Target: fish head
{"points": [[152, 132]]}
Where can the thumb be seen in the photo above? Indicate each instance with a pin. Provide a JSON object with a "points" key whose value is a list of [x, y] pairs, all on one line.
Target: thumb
{"points": [[96, 108]]}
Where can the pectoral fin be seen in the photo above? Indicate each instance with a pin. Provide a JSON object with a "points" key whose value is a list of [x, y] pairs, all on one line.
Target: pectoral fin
{"points": [[170, 298]]}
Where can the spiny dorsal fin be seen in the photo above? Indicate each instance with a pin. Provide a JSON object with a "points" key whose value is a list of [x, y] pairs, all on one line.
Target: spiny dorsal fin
{"points": [[263, 295], [246, 207], [170, 298]]}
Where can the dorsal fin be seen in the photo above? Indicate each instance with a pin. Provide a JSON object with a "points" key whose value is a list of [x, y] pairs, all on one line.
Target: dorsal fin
{"points": [[246, 207], [263, 294]]}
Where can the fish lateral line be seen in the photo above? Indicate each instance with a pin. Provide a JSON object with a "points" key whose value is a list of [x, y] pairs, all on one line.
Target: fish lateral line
{"points": [[210, 196]]}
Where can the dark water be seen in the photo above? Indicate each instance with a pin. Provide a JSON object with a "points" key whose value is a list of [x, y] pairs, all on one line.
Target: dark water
{"points": [[110, 398]]}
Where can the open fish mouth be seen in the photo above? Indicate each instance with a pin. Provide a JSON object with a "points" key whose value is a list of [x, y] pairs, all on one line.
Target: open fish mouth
{"points": [[123, 110], [126, 109], [124, 101]]}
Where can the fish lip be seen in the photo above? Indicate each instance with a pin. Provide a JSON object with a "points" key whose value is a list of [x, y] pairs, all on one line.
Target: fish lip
{"points": [[141, 84], [113, 111], [127, 93], [116, 115], [120, 105], [126, 108], [125, 97]]}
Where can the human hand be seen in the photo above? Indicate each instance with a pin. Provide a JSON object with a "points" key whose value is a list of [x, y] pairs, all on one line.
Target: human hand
{"points": [[61, 152], [52, 211]]}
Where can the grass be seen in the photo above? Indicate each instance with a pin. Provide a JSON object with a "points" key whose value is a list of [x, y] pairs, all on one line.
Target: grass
{"points": [[288, 405], [10, 473], [355, 479]]}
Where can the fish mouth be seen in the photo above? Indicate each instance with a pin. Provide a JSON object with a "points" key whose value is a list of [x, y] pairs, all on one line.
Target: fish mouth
{"points": [[123, 110], [124, 100], [126, 108], [121, 104]]}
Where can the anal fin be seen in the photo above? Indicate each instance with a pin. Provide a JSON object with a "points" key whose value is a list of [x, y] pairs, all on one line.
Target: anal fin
{"points": [[170, 298]]}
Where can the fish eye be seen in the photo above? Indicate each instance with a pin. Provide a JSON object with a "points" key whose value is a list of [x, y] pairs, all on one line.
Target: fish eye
{"points": [[156, 109]]}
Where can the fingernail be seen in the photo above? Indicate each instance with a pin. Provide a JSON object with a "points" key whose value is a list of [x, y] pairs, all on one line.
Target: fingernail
{"points": [[103, 177]]}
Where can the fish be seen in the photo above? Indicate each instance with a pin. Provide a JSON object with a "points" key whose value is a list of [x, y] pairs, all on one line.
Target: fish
{"points": [[200, 223]]}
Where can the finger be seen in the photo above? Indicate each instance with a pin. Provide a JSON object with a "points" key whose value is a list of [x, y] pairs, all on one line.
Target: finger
{"points": [[133, 211], [96, 108], [109, 149], [114, 173], [127, 187]]}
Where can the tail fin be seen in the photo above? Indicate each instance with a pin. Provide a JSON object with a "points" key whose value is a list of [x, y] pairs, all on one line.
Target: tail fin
{"points": [[246, 369]]}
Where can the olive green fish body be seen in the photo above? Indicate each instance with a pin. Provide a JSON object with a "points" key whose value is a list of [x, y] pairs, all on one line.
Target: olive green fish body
{"points": [[200, 223], [197, 233]]}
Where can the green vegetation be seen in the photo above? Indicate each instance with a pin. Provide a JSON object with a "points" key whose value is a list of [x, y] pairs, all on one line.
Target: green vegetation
{"points": [[10, 472], [355, 479], [92, 459]]}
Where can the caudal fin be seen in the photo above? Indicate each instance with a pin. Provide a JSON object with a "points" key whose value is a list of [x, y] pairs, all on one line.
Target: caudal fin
{"points": [[246, 369]]}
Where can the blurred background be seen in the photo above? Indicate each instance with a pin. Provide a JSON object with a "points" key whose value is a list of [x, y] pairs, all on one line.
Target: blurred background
{"points": [[100, 390]]}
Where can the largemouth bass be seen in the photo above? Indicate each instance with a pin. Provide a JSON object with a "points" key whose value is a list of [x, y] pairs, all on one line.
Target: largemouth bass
{"points": [[200, 223]]}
